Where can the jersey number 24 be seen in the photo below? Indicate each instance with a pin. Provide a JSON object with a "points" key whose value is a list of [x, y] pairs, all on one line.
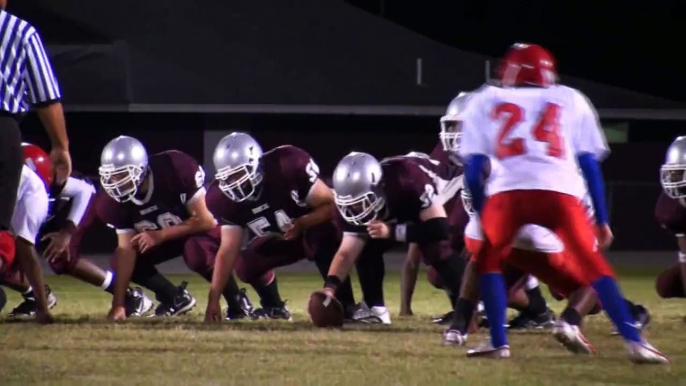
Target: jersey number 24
{"points": [[546, 129]]}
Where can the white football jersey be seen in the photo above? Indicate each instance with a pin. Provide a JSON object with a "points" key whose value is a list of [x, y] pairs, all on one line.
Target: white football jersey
{"points": [[533, 135], [31, 209]]}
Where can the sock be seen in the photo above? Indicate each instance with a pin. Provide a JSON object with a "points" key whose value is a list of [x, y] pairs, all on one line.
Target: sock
{"points": [[231, 294], [108, 284], [269, 294], [371, 271], [495, 302], [164, 290], [616, 308], [571, 316], [3, 299], [451, 271], [537, 304], [345, 294], [464, 311]]}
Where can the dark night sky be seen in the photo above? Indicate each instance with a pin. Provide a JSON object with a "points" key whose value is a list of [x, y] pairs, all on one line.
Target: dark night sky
{"points": [[631, 44]]}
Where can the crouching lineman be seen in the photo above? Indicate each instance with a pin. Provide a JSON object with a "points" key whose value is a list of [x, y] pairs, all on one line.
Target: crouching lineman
{"points": [[670, 212], [287, 209], [157, 206], [379, 204], [71, 214]]}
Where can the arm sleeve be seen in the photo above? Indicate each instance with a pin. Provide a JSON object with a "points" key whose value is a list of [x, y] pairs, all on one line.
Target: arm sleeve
{"points": [[222, 208], [80, 193], [302, 172], [473, 176], [191, 176], [40, 79], [596, 187]]}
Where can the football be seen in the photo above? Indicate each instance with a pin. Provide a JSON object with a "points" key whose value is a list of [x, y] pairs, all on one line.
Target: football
{"points": [[325, 311]]}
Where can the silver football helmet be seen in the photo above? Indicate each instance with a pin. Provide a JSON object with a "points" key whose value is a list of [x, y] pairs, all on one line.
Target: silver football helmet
{"points": [[123, 163], [673, 171], [236, 159], [357, 188], [451, 123]]}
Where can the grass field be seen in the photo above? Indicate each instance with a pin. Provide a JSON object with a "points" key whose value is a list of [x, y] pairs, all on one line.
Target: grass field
{"points": [[82, 349]]}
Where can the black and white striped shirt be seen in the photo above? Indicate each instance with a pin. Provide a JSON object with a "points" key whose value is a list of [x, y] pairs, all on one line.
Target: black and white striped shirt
{"points": [[26, 77]]}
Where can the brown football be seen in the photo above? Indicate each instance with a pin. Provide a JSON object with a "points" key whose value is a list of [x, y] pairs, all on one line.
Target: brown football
{"points": [[325, 311]]}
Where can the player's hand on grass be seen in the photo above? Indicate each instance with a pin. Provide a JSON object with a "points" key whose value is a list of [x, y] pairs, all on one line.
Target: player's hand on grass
{"points": [[605, 236], [378, 230], [213, 313], [145, 241], [58, 247], [116, 313]]}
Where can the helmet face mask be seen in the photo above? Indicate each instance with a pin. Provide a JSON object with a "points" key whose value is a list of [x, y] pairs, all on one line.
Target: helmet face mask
{"points": [[361, 210], [121, 183], [451, 134], [673, 180], [239, 183]]}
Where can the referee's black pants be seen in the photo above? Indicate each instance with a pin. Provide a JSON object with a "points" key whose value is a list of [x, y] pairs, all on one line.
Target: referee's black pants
{"points": [[11, 161]]}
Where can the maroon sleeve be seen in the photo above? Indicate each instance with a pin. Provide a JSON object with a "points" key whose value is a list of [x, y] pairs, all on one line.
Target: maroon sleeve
{"points": [[412, 186], [191, 176], [222, 208], [671, 214], [300, 170], [110, 212]]}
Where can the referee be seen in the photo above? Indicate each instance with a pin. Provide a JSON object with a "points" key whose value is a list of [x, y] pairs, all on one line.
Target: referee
{"points": [[26, 80]]}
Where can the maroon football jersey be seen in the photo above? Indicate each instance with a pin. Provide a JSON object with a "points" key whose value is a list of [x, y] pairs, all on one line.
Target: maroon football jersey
{"points": [[288, 176], [176, 179], [671, 214]]}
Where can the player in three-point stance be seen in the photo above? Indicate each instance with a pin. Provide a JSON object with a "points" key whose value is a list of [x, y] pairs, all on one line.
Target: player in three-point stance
{"points": [[539, 133]]}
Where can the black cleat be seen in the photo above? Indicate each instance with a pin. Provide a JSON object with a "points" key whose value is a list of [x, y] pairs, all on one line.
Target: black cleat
{"points": [[247, 310], [29, 306], [136, 303], [525, 321], [444, 319], [182, 304], [274, 313]]}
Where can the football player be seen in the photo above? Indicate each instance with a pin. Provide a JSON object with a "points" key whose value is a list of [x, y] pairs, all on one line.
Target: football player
{"points": [[157, 206], [670, 212], [540, 133], [70, 214], [380, 203], [279, 202]]}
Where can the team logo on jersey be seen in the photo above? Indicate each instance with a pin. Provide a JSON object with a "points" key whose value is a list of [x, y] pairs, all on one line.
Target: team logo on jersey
{"points": [[199, 177], [296, 197]]}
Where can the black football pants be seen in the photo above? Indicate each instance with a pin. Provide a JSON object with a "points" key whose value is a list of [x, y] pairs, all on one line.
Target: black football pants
{"points": [[11, 161]]}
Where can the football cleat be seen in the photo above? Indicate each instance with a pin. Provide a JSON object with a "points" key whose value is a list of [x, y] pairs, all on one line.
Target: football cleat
{"points": [[246, 311], [525, 321], [137, 303], [486, 350], [182, 303], [454, 338], [373, 315], [642, 317], [444, 319], [29, 306], [572, 338], [280, 312], [645, 353]]}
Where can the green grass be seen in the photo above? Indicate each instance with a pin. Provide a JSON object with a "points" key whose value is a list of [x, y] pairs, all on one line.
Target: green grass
{"points": [[82, 349]]}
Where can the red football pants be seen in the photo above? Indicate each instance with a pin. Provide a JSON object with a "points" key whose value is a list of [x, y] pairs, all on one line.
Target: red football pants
{"points": [[505, 213]]}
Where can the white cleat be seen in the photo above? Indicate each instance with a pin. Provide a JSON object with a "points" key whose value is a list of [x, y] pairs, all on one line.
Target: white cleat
{"points": [[486, 350], [454, 338], [572, 338], [373, 315], [645, 353]]}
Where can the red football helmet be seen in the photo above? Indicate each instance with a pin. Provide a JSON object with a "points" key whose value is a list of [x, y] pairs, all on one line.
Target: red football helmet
{"points": [[527, 64], [38, 161]]}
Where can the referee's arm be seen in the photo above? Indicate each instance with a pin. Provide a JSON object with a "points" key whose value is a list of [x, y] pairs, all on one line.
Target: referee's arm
{"points": [[44, 94]]}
